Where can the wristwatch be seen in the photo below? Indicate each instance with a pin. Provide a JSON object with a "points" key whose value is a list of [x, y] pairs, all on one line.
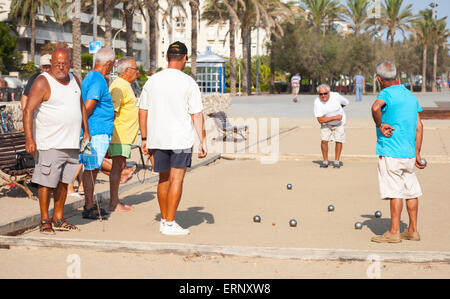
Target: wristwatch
{"points": [[380, 126], [143, 138]]}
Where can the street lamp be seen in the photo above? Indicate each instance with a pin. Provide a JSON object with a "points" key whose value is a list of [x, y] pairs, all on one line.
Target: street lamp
{"points": [[433, 7], [115, 35]]}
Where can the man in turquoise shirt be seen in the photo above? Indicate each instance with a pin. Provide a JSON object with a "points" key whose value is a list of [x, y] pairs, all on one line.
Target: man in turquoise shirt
{"points": [[99, 107], [399, 140]]}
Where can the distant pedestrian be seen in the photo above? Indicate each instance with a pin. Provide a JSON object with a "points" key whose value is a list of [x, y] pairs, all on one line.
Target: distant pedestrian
{"points": [[126, 125], [295, 85], [170, 113], [54, 133], [44, 66], [399, 141], [360, 85], [328, 108], [100, 109]]}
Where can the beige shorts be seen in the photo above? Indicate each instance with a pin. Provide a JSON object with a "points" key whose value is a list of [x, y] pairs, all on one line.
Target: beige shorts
{"points": [[295, 90], [397, 178], [54, 166], [333, 133]]}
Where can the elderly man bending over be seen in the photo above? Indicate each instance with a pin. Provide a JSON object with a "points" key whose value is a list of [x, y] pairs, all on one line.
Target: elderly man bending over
{"points": [[328, 108], [126, 124]]}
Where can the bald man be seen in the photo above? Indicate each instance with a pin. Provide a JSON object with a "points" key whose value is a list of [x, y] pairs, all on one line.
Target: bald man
{"points": [[55, 99]]}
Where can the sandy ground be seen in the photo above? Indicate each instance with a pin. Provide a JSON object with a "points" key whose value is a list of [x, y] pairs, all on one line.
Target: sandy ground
{"points": [[68, 263]]}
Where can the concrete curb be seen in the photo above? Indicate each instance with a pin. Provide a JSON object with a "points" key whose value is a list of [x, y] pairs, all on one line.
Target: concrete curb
{"points": [[317, 254], [20, 225]]}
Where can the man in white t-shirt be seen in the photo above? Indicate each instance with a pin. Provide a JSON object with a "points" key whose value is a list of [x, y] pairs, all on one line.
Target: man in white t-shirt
{"points": [[328, 108], [170, 113], [295, 84]]}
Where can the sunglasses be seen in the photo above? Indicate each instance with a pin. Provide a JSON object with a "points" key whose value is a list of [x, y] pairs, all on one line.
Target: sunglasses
{"points": [[323, 94]]}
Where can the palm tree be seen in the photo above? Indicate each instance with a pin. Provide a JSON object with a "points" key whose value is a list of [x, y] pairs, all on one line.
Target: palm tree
{"points": [[76, 39], [395, 18], [194, 4], [356, 12], [153, 9], [422, 29], [128, 11], [25, 11], [322, 12], [439, 36]]}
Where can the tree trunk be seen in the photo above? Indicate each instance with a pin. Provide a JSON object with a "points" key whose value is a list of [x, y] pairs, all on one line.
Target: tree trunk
{"points": [[153, 13], [33, 38], [129, 12], [436, 49], [194, 25], [272, 67], [424, 69], [245, 64], [411, 83], [76, 40], [249, 62], [232, 57], [108, 9]]}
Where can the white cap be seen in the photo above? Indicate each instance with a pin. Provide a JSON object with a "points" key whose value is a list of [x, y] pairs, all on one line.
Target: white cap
{"points": [[45, 59]]}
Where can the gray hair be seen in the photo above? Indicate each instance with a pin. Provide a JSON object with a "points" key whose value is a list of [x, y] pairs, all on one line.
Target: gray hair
{"points": [[323, 86], [123, 64], [104, 55], [386, 70]]}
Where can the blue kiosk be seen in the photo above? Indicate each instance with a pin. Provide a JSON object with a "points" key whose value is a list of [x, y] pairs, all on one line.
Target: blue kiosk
{"points": [[211, 72]]}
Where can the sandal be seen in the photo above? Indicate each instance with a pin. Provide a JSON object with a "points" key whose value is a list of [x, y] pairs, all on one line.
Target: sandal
{"points": [[92, 213], [63, 225], [48, 230]]}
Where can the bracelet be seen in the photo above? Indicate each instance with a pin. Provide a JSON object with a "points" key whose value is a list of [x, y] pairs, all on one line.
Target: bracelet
{"points": [[143, 138], [380, 126]]}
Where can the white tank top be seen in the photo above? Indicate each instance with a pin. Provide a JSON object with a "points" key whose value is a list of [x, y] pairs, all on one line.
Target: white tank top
{"points": [[57, 121]]}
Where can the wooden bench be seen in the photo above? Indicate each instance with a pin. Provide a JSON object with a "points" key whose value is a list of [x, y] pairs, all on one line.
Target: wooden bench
{"points": [[10, 145]]}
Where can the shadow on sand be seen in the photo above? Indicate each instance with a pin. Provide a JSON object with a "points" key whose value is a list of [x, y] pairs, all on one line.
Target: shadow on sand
{"points": [[191, 217], [380, 225]]}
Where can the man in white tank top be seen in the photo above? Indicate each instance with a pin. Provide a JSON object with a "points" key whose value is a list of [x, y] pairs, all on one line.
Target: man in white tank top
{"points": [[52, 119]]}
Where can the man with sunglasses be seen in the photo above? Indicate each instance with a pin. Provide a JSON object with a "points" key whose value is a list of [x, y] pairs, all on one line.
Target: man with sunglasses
{"points": [[328, 109], [44, 66], [126, 126]]}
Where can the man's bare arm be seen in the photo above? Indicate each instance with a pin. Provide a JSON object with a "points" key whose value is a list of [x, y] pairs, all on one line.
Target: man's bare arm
{"points": [[323, 119], [199, 126], [419, 139], [84, 116], [385, 129], [90, 106], [40, 91], [143, 128]]}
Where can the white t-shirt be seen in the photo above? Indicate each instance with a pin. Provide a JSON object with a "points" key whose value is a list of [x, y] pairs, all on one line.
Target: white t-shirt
{"points": [[170, 96], [295, 81], [332, 107]]}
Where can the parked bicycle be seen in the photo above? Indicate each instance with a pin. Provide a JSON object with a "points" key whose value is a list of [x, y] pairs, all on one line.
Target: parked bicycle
{"points": [[6, 123]]}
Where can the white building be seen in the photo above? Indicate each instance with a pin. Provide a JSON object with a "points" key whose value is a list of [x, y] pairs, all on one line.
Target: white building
{"points": [[176, 28]]}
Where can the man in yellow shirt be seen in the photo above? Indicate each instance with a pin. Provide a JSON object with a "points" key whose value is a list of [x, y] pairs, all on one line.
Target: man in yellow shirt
{"points": [[126, 127]]}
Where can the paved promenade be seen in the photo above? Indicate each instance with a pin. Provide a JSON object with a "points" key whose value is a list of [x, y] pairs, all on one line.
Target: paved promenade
{"points": [[220, 199]]}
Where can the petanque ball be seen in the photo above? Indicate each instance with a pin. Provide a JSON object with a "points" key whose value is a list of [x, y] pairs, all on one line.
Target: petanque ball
{"points": [[358, 225], [378, 214], [256, 218], [289, 186], [293, 223], [423, 162], [330, 208]]}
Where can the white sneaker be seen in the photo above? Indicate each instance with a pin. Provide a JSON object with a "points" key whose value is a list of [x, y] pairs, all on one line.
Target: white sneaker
{"points": [[162, 223], [174, 229]]}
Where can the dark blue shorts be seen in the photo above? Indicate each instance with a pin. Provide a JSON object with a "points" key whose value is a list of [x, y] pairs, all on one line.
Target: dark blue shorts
{"points": [[166, 159]]}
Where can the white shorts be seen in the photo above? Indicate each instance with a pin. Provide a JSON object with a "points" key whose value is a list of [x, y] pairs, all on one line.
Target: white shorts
{"points": [[333, 133], [397, 178]]}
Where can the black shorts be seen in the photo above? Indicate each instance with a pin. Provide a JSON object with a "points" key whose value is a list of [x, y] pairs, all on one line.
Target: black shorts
{"points": [[166, 159]]}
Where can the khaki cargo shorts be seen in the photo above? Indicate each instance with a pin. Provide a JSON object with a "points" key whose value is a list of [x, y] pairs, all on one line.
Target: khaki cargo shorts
{"points": [[295, 90], [397, 178], [333, 133], [54, 166]]}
